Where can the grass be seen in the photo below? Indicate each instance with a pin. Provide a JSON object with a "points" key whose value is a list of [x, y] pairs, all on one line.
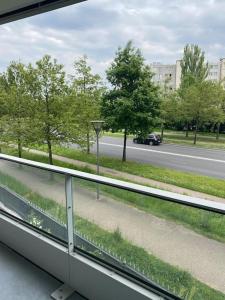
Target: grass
{"points": [[199, 183], [172, 278], [48, 205], [204, 141], [209, 224]]}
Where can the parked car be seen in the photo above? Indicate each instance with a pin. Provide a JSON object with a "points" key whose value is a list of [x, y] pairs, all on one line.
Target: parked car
{"points": [[151, 139]]}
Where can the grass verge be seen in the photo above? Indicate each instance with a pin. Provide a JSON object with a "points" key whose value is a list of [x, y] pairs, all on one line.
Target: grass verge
{"points": [[203, 141], [172, 278]]}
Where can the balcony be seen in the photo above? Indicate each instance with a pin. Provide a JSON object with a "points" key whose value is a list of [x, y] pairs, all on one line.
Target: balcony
{"points": [[135, 242], [20, 279]]}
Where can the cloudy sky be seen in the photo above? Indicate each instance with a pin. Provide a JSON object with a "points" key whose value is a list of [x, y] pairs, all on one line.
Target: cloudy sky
{"points": [[96, 28]]}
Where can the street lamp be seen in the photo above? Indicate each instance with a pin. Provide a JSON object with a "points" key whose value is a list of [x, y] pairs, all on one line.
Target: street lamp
{"points": [[97, 125]]}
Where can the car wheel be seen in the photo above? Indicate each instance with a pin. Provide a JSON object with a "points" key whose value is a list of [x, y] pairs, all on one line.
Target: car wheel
{"points": [[150, 143]]}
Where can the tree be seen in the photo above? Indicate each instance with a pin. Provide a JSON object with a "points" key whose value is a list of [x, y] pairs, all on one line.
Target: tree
{"points": [[86, 91], [133, 102], [17, 105], [202, 103], [169, 110], [50, 90], [194, 70], [2, 112], [168, 106], [219, 110]]}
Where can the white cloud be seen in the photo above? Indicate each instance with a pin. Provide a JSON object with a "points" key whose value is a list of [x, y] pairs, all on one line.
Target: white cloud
{"points": [[160, 28]]}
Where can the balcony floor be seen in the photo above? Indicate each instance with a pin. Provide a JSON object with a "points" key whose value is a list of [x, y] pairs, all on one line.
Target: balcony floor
{"points": [[21, 280]]}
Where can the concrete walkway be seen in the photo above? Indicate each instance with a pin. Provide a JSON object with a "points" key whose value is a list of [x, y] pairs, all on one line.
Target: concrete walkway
{"points": [[133, 178], [204, 258]]}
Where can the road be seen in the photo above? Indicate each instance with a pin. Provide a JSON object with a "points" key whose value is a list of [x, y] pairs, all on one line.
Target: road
{"points": [[184, 158]]}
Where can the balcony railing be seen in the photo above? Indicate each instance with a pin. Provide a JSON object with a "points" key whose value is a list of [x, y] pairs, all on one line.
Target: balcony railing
{"points": [[171, 244]]}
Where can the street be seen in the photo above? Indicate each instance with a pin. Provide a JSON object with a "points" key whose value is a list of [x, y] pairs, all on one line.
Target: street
{"points": [[184, 158]]}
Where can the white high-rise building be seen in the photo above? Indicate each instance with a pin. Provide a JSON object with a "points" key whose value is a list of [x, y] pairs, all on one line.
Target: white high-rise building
{"points": [[171, 74]]}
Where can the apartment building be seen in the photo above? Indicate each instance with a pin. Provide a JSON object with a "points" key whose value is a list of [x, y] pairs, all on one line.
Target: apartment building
{"points": [[170, 74]]}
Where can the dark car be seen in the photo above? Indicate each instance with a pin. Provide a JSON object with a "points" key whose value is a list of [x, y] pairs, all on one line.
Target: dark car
{"points": [[151, 139]]}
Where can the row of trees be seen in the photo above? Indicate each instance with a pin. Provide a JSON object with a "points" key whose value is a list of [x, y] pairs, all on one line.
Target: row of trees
{"points": [[198, 102], [39, 104]]}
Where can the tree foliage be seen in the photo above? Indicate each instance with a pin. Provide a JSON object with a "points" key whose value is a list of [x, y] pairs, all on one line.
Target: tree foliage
{"points": [[202, 103], [170, 111], [50, 91], [133, 102], [18, 113], [86, 93], [194, 68]]}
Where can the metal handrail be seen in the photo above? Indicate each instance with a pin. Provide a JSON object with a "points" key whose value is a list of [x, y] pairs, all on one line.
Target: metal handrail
{"points": [[132, 187]]}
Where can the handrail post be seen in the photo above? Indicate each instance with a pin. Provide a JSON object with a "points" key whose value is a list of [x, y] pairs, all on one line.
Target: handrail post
{"points": [[69, 208]]}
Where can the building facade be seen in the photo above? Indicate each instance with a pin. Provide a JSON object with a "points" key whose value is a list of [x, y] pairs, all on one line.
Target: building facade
{"points": [[170, 75]]}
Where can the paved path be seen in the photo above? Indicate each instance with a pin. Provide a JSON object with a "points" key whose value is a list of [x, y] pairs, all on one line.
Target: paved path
{"points": [[134, 178], [204, 258], [209, 162]]}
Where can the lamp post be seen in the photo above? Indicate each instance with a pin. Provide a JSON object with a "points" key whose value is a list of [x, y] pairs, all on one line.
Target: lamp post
{"points": [[97, 125]]}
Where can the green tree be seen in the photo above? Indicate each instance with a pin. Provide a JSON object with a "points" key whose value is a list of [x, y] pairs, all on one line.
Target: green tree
{"points": [[219, 110], [202, 103], [168, 106], [17, 117], [169, 110], [133, 102], [49, 89], [86, 92], [194, 69], [2, 112]]}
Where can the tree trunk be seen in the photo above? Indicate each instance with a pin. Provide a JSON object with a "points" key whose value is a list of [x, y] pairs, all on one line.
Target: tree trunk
{"points": [[125, 146], [218, 131], [195, 137], [19, 148], [88, 143], [50, 152], [187, 127], [162, 132]]}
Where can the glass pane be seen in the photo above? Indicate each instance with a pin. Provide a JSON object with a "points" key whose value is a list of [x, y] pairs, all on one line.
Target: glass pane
{"points": [[181, 249], [35, 196]]}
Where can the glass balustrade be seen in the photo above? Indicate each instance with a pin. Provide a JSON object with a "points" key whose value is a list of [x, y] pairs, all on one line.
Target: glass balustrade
{"points": [[142, 233]]}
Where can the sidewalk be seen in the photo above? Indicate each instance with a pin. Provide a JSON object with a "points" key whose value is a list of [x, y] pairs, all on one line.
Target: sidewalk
{"points": [[133, 178]]}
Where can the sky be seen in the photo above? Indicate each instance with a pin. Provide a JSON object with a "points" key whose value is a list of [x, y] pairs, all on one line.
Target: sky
{"points": [[160, 28]]}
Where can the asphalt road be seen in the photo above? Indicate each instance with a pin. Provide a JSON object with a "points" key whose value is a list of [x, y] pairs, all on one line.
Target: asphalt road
{"points": [[185, 158]]}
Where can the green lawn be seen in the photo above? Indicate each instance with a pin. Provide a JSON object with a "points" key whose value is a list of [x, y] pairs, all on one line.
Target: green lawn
{"points": [[172, 278], [205, 141]]}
